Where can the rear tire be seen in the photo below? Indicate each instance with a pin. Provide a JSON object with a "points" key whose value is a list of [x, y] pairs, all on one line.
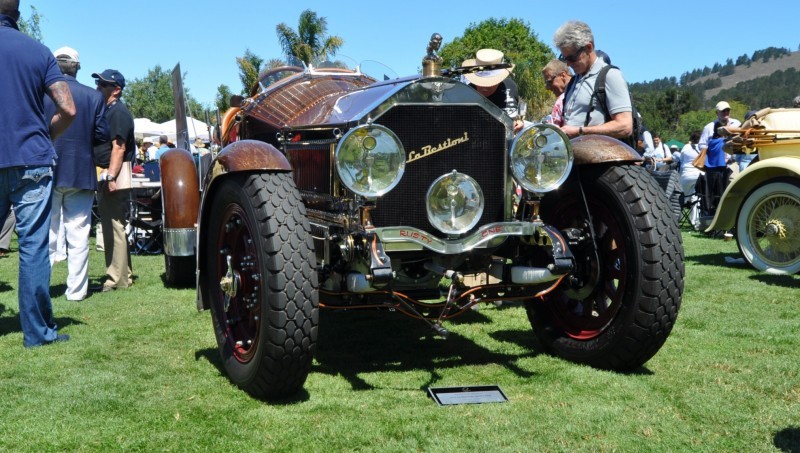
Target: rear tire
{"points": [[618, 307], [179, 270], [262, 283]]}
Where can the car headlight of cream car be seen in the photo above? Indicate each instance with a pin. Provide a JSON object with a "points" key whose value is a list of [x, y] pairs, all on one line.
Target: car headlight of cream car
{"points": [[541, 158], [370, 160]]}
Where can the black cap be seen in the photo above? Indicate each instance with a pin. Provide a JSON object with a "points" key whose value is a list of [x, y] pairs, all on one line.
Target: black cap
{"points": [[111, 76]]}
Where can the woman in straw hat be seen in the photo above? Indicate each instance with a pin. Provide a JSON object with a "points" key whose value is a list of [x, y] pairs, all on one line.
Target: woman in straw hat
{"points": [[494, 84]]}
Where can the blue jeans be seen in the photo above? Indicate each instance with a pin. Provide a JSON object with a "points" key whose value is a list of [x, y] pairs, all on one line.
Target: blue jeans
{"points": [[29, 190], [743, 160]]}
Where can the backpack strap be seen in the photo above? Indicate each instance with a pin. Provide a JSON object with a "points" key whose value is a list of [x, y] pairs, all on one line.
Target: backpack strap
{"points": [[567, 92], [599, 93]]}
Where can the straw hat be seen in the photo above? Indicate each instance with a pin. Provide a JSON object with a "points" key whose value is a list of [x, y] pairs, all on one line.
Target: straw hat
{"points": [[487, 78]]}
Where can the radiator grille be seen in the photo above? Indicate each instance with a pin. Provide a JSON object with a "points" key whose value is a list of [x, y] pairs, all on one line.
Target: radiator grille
{"points": [[482, 157], [312, 164]]}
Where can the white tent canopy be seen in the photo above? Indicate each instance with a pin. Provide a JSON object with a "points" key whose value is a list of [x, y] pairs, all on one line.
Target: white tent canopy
{"points": [[143, 127], [196, 128]]}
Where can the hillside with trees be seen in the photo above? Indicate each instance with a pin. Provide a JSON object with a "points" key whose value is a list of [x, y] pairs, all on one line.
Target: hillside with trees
{"points": [[676, 106]]}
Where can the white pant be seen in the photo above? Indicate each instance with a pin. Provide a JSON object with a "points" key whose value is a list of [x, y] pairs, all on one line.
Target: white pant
{"points": [[73, 207]]}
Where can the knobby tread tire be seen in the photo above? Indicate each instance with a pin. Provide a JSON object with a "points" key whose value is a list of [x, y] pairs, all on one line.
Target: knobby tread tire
{"points": [[655, 276], [288, 294]]}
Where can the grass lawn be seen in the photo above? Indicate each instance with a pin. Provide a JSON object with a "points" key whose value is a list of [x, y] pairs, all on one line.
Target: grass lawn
{"points": [[142, 373]]}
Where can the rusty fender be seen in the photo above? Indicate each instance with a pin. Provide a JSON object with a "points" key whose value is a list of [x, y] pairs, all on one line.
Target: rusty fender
{"points": [[180, 198], [596, 149], [240, 156], [248, 155]]}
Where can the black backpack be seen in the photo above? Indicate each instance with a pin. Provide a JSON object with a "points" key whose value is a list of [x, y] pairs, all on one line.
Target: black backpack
{"points": [[600, 93]]}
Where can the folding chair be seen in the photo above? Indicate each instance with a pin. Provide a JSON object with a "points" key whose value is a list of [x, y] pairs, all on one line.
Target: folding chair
{"points": [[690, 208], [145, 236]]}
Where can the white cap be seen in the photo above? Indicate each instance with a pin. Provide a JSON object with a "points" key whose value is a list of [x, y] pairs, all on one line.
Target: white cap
{"points": [[722, 105], [67, 53]]}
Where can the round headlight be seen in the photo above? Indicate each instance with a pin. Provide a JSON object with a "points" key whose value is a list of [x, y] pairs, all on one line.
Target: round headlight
{"points": [[454, 203], [541, 158], [370, 160]]}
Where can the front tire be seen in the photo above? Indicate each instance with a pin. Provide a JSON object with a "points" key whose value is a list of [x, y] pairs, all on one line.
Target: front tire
{"points": [[262, 283], [768, 228], [618, 307]]}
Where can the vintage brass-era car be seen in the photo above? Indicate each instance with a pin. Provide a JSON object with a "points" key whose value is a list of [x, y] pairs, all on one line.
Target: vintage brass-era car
{"points": [[763, 202], [335, 190]]}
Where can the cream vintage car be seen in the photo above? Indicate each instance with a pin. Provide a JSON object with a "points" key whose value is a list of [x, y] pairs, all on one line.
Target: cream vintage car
{"points": [[763, 202]]}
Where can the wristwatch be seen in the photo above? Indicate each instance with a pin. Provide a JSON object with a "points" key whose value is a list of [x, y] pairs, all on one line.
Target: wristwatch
{"points": [[111, 178]]}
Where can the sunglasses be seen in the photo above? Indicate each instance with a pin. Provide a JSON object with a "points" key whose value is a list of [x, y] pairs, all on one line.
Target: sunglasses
{"points": [[572, 58], [103, 84], [548, 82]]}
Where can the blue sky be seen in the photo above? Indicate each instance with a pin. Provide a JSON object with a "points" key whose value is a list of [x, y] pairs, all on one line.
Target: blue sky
{"points": [[647, 40]]}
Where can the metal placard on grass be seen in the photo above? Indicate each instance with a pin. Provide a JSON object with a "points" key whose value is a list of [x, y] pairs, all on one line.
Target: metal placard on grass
{"points": [[446, 396]]}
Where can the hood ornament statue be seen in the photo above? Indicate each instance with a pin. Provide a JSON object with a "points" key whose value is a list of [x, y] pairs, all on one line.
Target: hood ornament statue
{"points": [[432, 63]]}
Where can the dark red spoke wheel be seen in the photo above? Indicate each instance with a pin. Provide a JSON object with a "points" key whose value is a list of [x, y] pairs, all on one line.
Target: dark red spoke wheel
{"points": [[239, 285], [585, 311]]}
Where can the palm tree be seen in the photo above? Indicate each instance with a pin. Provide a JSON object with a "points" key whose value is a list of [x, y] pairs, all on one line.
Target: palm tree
{"points": [[310, 42], [249, 67]]}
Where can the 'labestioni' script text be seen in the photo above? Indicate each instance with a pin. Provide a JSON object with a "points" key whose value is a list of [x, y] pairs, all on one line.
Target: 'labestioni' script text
{"points": [[427, 150]]}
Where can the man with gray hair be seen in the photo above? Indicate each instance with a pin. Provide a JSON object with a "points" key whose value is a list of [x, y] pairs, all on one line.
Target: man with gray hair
{"points": [[556, 78], [796, 102], [163, 146], [583, 113]]}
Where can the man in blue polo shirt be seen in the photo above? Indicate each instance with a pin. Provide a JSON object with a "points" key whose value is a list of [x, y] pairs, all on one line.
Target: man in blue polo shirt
{"points": [[75, 178], [29, 72]]}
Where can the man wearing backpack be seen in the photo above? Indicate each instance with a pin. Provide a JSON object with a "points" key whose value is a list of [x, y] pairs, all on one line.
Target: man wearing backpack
{"points": [[584, 111]]}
